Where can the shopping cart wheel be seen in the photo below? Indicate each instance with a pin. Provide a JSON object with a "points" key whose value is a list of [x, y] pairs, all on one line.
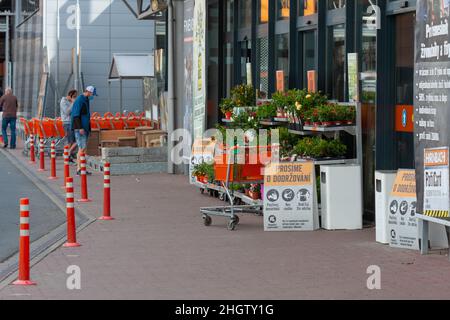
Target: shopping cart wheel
{"points": [[211, 193], [236, 220], [222, 196], [231, 224], [207, 220], [202, 191]]}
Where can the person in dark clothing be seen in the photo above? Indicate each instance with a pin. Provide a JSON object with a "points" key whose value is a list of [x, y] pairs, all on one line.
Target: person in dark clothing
{"points": [[81, 121], [8, 103]]}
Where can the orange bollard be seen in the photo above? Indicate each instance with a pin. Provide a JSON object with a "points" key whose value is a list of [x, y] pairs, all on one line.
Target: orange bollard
{"points": [[24, 245], [41, 155], [32, 151], [71, 224], [84, 186], [53, 162], [66, 165], [106, 193]]}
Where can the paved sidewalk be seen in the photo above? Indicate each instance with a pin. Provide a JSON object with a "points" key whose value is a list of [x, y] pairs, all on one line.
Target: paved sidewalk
{"points": [[158, 248]]}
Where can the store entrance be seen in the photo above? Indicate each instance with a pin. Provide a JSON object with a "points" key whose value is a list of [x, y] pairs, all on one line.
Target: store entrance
{"points": [[404, 89]]}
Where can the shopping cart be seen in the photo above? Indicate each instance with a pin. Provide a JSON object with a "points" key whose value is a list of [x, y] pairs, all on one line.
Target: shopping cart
{"points": [[26, 129], [230, 171]]}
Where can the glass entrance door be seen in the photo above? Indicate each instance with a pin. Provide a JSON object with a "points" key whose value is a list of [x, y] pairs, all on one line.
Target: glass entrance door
{"points": [[404, 88]]}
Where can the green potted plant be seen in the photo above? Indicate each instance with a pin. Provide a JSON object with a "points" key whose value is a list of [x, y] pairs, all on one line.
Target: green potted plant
{"points": [[247, 189], [266, 112], [255, 191], [341, 114], [325, 115], [350, 115], [204, 172], [227, 106]]}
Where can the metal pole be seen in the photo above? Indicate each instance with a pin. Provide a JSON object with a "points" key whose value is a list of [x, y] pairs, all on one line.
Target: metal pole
{"points": [[77, 55], [7, 58], [57, 58], [171, 87], [121, 96]]}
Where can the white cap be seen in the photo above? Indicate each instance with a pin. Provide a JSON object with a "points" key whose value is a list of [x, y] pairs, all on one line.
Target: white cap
{"points": [[92, 90]]}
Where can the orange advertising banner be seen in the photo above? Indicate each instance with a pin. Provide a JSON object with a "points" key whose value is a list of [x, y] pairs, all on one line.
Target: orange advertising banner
{"points": [[288, 174], [435, 157], [405, 184], [404, 118], [312, 80], [280, 80]]}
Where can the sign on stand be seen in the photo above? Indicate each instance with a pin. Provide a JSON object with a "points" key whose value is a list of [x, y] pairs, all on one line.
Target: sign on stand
{"points": [[436, 184], [431, 111], [290, 199], [403, 224]]}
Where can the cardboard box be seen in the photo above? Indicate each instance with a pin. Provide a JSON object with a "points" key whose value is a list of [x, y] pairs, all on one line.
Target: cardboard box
{"points": [[94, 143], [109, 143], [111, 135], [140, 131], [127, 142]]}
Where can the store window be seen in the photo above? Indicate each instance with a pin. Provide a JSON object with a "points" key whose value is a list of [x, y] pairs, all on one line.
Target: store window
{"points": [[245, 13], [262, 66], [283, 8], [263, 11], [368, 59], [282, 56], [213, 64], [336, 4], [307, 7], [228, 47], [336, 62], [246, 54], [309, 54], [404, 82]]}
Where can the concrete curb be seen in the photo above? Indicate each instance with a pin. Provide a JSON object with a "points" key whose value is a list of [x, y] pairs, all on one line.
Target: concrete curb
{"points": [[48, 243]]}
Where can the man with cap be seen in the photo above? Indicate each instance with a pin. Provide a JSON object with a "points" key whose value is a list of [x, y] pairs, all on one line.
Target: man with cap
{"points": [[81, 121]]}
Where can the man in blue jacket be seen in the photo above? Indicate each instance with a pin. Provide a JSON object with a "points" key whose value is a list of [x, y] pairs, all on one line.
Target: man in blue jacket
{"points": [[81, 121]]}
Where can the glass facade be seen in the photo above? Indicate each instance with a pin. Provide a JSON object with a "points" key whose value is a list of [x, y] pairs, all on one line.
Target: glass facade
{"points": [[276, 40]]}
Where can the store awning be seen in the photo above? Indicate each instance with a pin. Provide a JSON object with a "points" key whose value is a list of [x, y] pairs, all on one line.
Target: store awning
{"points": [[132, 66]]}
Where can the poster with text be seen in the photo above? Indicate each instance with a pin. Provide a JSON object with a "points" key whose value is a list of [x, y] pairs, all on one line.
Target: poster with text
{"points": [[199, 68], [431, 93], [402, 221], [289, 197]]}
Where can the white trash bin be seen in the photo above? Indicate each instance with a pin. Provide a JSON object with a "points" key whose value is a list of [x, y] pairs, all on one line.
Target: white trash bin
{"points": [[341, 196]]}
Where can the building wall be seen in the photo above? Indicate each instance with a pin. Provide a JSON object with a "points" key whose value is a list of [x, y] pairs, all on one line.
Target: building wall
{"points": [[107, 27], [27, 56]]}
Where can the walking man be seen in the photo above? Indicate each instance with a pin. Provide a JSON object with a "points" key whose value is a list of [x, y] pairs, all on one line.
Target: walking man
{"points": [[66, 111], [8, 102], [81, 121]]}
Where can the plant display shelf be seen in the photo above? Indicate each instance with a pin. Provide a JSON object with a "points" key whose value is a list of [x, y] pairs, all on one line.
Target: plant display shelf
{"points": [[309, 130]]}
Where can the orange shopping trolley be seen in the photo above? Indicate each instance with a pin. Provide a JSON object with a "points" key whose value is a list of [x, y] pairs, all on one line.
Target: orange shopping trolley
{"points": [[228, 169]]}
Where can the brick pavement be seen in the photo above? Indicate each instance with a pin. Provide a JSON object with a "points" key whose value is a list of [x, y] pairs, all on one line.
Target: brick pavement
{"points": [[158, 248]]}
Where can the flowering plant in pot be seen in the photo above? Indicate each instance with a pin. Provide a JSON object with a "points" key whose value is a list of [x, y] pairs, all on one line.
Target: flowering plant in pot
{"points": [[350, 115], [247, 189], [243, 95], [226, 106], [204, 172], [255, 191]]}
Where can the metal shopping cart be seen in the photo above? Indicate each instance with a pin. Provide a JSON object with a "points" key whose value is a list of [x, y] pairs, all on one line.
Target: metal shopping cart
{"points": [[232, 171]]}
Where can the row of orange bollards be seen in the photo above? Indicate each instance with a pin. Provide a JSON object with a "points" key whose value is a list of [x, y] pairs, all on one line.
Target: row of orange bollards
{"points": [[24, 240]]}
